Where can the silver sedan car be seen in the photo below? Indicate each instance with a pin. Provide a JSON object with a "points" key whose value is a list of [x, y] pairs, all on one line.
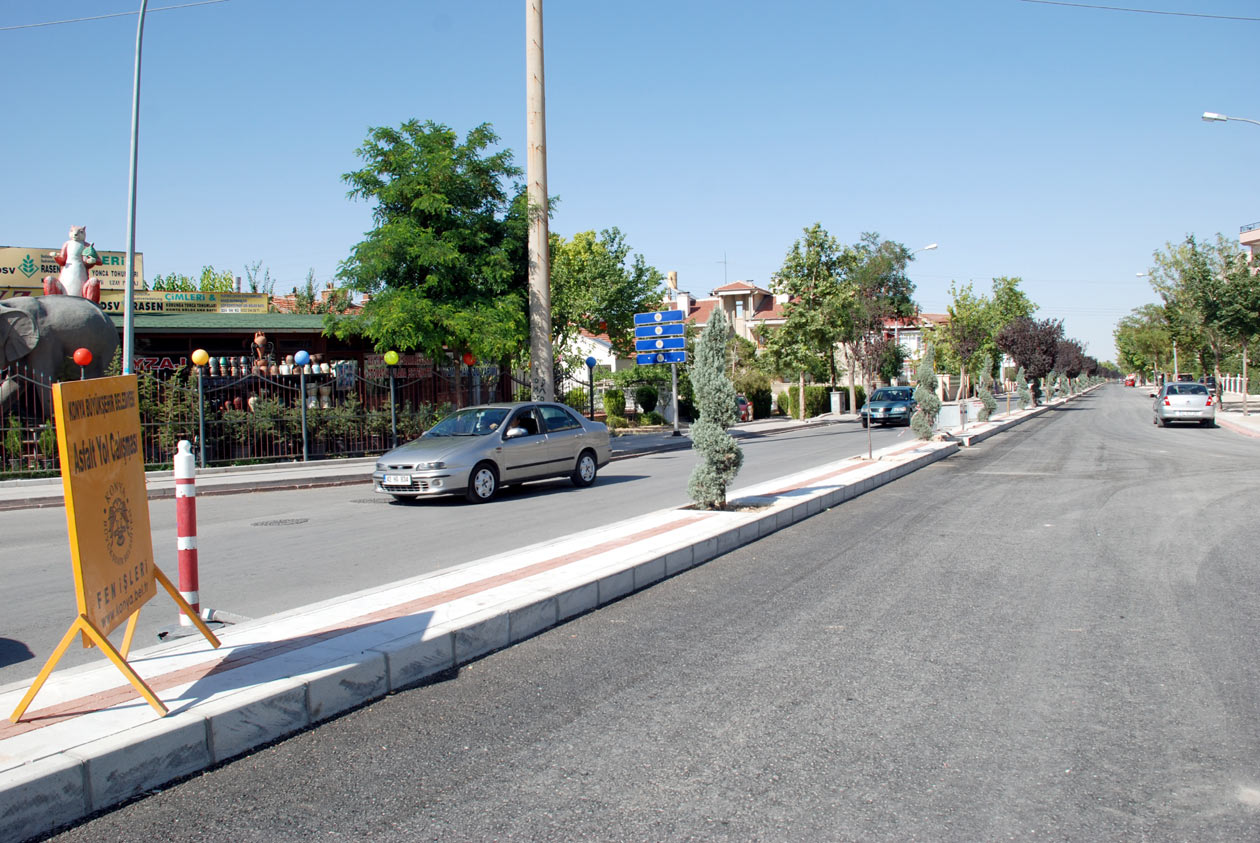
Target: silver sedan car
{"points": [[477, 450], [1184, 402]]}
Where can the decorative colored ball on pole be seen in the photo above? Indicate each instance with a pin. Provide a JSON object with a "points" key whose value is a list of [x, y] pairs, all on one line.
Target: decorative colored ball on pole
{"points": [[391, 358], [302, 358], [83, 356], [590, 362], [200, 357], [469, 360]]}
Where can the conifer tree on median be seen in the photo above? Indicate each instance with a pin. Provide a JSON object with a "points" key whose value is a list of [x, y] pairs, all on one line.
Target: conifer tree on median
{"points": [[1025, 392], [720, 455], [927, 404]]}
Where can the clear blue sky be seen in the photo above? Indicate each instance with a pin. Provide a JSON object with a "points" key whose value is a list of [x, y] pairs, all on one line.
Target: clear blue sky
{"points": [[1061, 145]]}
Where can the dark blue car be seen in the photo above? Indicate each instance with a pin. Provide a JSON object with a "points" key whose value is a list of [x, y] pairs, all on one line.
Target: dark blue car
{"points": [[889, 405]]}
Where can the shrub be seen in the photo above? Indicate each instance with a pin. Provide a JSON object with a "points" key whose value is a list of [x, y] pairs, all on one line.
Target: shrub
{"points": [[755, 386], [1025, 394], [576, 398], [646, 397], [615, 403], [984, 390], [617, 422], [652, 417], [817, 401]]}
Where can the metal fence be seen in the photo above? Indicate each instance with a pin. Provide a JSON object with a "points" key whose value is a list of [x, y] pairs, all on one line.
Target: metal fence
{"points": [[255, 417]]}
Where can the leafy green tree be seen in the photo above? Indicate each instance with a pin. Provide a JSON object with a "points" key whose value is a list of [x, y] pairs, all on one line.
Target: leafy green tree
{"points": [[812, 276], [598, 286], [1008, 303], [445, 266], [720, 456], [258, 279], [1239, 315], [1190, 278], [880, 290], [211, 280], [927, 404], [307, 299], [966, 333], [1144, 340], [891, 361]]}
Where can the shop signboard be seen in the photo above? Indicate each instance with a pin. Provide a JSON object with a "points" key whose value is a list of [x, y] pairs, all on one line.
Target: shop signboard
{"points": [[182, 301], [25, 268]]}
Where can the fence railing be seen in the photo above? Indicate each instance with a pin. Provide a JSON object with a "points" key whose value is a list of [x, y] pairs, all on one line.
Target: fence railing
{"points": [[255, 417]]}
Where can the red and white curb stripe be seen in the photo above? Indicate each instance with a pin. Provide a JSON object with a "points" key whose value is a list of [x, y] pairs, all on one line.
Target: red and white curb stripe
{"points": [[186, 527]]}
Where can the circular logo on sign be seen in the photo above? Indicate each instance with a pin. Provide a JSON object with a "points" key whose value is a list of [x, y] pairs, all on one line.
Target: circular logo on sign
{"points": [[118, 523]]}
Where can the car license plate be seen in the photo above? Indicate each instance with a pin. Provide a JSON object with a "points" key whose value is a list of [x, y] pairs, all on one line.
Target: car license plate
{"points": [[397, 480]]}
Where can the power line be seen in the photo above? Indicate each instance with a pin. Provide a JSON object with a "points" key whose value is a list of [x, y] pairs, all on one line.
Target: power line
{"points": [[1139, 11], [103, 17]]}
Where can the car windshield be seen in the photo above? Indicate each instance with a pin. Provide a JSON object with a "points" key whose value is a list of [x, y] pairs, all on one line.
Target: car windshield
{"points": [[475, 421], [891, 395]]}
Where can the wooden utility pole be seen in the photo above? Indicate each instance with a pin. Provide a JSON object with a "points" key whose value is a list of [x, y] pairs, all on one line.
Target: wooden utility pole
{"points": [[541, 367]]}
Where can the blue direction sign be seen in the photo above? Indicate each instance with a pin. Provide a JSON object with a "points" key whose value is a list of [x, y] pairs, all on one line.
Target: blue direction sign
{"points": [[642, 332], [661, 357], [661, 344], [658, 317]]}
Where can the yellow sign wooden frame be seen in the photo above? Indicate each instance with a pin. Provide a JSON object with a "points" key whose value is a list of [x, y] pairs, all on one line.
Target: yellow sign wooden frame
{"points": [[107, 518]]}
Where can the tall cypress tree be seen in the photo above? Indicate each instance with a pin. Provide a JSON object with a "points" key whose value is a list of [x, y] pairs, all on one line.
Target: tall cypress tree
{"points": [[927, 405], [720, 455]]}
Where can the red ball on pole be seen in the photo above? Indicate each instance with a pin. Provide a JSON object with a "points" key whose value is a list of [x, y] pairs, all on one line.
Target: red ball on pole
{"points": [[469, 360], [82, 356]]}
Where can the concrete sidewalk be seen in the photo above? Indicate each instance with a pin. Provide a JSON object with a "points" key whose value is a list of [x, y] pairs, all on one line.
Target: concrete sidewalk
{"points": [[89, 741], [1230, 413]]}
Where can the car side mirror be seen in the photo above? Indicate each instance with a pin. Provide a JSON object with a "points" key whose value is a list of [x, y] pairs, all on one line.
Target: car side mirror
{"points": [[515, 433]]}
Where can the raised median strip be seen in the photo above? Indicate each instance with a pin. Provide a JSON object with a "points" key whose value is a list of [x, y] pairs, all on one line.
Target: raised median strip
{"points": [[92, 743]]}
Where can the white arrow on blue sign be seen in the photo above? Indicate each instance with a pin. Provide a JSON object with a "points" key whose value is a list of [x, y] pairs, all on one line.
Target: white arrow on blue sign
{"points": [[658, 317], [661, 357], [647, 331], [662, 344]]}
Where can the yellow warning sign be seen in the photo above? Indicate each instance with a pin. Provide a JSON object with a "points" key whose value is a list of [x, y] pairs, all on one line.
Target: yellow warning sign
{"points": [[107, 514], [107, 508]]}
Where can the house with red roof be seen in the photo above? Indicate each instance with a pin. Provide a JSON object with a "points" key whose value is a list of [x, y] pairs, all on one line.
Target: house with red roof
{"points": [[750, 309]]}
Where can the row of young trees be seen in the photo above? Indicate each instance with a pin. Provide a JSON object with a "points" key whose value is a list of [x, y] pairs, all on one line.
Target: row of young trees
{"points": [[1208, 318], [842, 296]]}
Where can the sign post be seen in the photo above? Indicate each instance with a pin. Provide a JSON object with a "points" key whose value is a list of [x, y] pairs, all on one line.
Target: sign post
{"points": [[660, 337], [107, 516]]}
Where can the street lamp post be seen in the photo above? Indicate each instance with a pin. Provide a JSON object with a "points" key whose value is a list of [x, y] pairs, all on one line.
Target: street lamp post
{"points": [[129, 321], [1213, 117]]}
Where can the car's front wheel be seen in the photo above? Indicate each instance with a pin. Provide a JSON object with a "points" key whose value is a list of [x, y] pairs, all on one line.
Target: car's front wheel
{"points": [[482, 483], [585, 470]]}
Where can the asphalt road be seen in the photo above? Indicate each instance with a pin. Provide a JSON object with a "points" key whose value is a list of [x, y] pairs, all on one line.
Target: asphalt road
{"points": [[1051, 636], [268, 552]]}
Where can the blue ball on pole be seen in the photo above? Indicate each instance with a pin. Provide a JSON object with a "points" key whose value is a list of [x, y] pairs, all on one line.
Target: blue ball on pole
{"points": [[590, 362], [301, 358]]}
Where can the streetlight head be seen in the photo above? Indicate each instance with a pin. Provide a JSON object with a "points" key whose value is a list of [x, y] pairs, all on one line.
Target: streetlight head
{"points": [[1213, 117], [929, 247]]}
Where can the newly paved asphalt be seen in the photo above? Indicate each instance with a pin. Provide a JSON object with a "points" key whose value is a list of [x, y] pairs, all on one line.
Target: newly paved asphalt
{"points": [[1048, 636]]}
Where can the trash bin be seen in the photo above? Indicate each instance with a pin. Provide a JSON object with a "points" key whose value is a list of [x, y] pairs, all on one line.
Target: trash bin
{"points": [[837, 402]]}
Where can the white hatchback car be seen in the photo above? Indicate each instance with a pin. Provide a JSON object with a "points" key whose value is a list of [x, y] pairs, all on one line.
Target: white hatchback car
{"points": [[1184, 402]]}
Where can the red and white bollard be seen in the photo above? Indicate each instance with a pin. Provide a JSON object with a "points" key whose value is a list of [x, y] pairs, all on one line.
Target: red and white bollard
{"points": [[186, 527]]}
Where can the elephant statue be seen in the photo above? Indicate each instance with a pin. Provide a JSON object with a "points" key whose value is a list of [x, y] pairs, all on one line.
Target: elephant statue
{"points": [[42, 332]]}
